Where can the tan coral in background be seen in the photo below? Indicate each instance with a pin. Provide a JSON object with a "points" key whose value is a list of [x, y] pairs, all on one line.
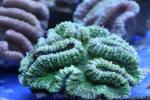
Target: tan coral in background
{"points": [[5, 53], [22, 22], [112, 14]]}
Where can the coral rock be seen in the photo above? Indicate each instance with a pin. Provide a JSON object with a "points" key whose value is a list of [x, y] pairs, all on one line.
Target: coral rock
{"points": [[83, 61]]}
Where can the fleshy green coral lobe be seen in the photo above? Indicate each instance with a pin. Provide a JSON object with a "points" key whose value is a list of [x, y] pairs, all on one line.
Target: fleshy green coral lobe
{"points": [[82, 61]]}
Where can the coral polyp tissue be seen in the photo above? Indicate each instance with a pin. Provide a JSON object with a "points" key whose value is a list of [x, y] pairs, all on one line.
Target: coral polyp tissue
{"points": [[83, 61], [22, 23], [112, 14]]}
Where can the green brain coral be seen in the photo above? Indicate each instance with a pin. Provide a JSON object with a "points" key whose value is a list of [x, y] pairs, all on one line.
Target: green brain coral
{"points": [[84, 61]]}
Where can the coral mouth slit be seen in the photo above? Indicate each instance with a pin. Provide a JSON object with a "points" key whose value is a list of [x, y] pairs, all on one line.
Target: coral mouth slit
{"points": [[39, 53], [63, 87]]}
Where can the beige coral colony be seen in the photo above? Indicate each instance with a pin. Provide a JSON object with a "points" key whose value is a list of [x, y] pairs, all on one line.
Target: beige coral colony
{"points": [[111, 14], [22, 23]]}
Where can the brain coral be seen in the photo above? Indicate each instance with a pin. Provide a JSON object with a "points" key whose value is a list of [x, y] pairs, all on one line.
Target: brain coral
{"points": [[84, 61], [112, 14], [21, 24]]}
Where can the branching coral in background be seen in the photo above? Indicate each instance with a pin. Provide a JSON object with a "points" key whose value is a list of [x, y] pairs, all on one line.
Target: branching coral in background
{"points": [[23, 22], [112, 14], [83, 61]]}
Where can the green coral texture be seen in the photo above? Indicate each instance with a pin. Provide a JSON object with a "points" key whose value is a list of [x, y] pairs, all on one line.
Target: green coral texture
{"points": [[83, 61]]}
